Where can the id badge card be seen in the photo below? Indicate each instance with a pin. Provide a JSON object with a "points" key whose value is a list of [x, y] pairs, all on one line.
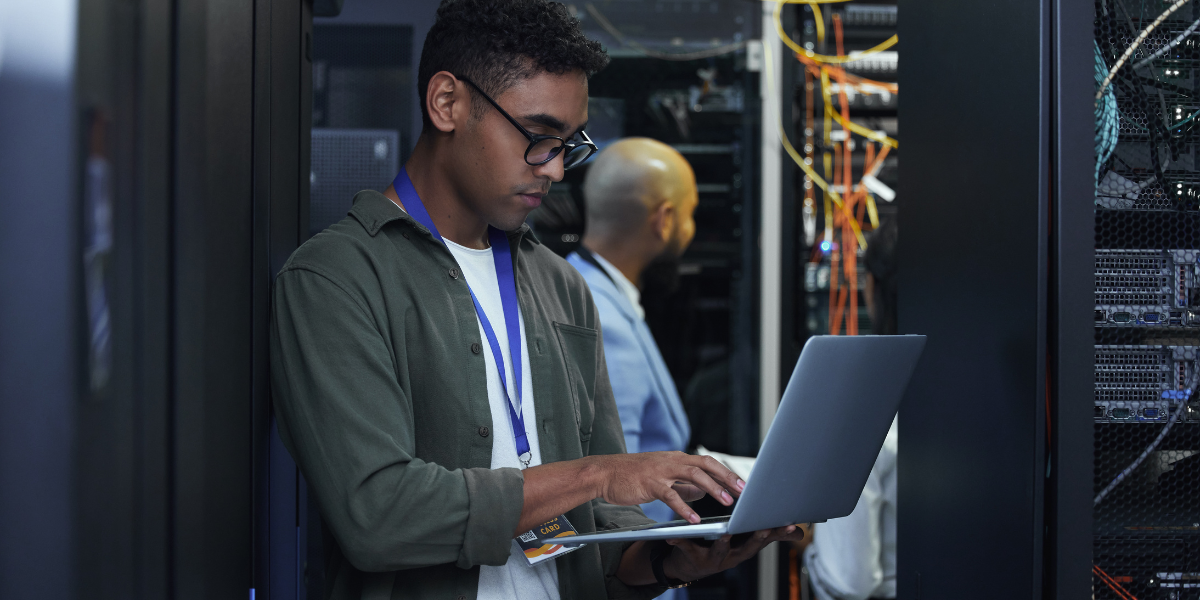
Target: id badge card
{"points": [[536, 552]]}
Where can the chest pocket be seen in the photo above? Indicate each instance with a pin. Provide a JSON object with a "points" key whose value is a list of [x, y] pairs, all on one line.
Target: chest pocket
{"points": [[578, 346]]}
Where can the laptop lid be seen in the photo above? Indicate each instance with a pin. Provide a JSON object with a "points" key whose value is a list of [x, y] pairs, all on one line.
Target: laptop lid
{"points": [[834, 415]]}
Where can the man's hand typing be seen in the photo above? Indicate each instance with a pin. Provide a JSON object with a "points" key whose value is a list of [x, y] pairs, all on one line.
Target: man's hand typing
{"points": [[625, 479]]}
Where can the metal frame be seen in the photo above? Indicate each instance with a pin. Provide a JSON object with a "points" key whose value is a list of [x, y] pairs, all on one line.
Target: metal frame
{"points": [[995, 259], [770, 338]]}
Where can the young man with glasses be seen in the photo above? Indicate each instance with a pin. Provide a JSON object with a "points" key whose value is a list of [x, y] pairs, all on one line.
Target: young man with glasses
{"points": [[439, 375]]}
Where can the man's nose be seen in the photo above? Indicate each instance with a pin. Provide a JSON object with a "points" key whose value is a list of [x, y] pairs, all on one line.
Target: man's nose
{"points": [[553, 169]]}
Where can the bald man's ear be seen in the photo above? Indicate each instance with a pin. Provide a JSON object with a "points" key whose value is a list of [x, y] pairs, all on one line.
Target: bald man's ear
{"points": [[663, 221], [445, 99]]}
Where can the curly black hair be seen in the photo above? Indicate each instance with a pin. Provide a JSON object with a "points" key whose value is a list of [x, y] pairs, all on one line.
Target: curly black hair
{"points": [[497, 43]]}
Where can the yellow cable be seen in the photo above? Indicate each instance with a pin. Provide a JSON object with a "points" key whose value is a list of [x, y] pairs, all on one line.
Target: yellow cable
{"points": [[820, 20], [863, 131], [787, 145], [888, 43], [872, 211]]}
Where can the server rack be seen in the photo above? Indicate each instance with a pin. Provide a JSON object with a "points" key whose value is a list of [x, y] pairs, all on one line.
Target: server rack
{"points": [[1146, 531], [817, 244], [997, 267]]}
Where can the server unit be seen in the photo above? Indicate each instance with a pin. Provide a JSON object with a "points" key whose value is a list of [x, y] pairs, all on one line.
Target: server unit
{"points": [[1146, 477]]}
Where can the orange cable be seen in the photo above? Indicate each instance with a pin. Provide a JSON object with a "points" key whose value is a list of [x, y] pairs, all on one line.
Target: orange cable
{"points": [[1112, 584], [893, 88]]}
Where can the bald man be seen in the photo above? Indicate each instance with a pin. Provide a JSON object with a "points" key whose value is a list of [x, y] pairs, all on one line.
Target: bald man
{"points": [[640, 196]]}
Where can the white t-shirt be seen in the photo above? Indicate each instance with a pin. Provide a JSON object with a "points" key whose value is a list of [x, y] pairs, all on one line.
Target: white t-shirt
{"points": [[516, 579]]}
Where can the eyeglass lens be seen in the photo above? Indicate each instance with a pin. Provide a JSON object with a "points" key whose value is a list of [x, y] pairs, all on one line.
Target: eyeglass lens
{"points": [[577, 155], [545, 150]]}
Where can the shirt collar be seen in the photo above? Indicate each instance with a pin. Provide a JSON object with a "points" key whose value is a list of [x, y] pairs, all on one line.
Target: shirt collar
{"points": [[623, 284], [374, 210]]}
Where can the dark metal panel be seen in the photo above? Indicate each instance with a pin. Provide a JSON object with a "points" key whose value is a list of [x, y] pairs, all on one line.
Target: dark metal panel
{"points": [[261, 265], [1069, 510], [973, 263], [151, 226], [282, 125], [105, 467], [213, 300]]}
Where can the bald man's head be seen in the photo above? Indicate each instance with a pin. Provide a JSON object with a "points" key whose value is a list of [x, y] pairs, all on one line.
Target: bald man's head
{"points": [[630, 180]]}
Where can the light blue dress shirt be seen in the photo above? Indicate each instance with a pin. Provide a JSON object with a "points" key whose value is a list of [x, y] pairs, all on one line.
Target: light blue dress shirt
{"points": [[652, 414]]}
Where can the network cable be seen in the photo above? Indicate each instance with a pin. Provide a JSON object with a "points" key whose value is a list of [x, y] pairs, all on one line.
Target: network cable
{"points": [[821, 58], [1175, 42], [1186, 396], [1134, 46], [1112, 584], [682, 56], [808, 170]]}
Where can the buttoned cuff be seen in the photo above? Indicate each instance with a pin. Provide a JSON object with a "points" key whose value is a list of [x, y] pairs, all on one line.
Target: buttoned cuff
{"points": [[495, 498]]}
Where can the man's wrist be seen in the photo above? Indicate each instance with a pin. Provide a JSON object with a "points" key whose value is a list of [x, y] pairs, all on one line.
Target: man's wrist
{"points": [[671, 567], [594, 475]]}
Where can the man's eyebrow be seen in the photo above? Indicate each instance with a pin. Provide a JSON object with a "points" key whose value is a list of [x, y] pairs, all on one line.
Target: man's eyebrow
{"points": [[546, 120], [552, 122]]}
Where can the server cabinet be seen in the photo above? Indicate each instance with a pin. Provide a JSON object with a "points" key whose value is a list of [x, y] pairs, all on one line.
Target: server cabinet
{"points": [[1146, 522], [190, 169], [995, 444]]}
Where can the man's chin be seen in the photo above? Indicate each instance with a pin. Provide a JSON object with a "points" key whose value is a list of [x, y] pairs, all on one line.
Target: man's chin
{"points": [[510, 221]]}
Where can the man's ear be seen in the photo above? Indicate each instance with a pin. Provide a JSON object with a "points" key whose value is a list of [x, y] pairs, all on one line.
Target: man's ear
{"points": [[445, 100], [663, 220]]}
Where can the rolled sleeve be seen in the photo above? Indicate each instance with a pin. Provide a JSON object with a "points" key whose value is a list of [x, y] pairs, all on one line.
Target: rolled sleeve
{"points": [[496, 498]]}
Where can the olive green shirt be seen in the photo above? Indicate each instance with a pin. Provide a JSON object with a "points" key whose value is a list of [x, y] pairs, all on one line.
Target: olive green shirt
{"points": [[380, 390]]}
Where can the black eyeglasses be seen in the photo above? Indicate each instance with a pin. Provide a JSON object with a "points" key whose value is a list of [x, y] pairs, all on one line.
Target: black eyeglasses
{"points": [[543, 148]]}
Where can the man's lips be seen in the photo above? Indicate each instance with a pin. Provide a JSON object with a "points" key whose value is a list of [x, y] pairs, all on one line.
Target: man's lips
{"points": [[533, 200]]}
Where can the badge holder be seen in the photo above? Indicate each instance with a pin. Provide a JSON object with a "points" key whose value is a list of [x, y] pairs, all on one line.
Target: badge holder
{"points": [[536, 552]]}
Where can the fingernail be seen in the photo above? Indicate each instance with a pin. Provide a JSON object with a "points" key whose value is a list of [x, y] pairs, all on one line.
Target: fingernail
{"points": [[741, 485], [726, 497], [694, 518]]}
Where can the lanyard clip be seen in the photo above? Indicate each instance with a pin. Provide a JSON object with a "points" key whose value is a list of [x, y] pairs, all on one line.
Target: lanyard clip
{"points": [[525, 459]]}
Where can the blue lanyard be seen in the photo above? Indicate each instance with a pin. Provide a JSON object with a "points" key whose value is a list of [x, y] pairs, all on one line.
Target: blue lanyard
{"points": [[502, 256]]}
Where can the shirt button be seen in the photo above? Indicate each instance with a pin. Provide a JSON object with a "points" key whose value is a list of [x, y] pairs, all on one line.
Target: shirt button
{"points": [[405, 234], [453, 273], [483, 431], [476, 348]]}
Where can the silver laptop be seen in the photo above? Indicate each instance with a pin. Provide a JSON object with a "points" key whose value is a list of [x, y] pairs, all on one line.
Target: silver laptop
{"points": [[814, 462]]}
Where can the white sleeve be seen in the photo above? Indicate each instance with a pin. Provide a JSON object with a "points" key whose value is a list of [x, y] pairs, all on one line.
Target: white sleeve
{"points": [[844, 556], [845, 560]]}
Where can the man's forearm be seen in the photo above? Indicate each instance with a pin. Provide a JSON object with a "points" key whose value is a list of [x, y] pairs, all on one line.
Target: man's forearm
{"points": [[555, 488]]}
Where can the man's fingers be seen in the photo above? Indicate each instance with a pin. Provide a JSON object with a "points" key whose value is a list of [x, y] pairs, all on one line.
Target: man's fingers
{"points": [[671, 498], [750, 547], [688, 492], [699, 477], [729, 480], [795, 534]]}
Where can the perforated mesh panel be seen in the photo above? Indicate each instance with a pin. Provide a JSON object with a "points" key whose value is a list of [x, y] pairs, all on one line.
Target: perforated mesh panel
{"points": [[345, 162], [1147, 314]]}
